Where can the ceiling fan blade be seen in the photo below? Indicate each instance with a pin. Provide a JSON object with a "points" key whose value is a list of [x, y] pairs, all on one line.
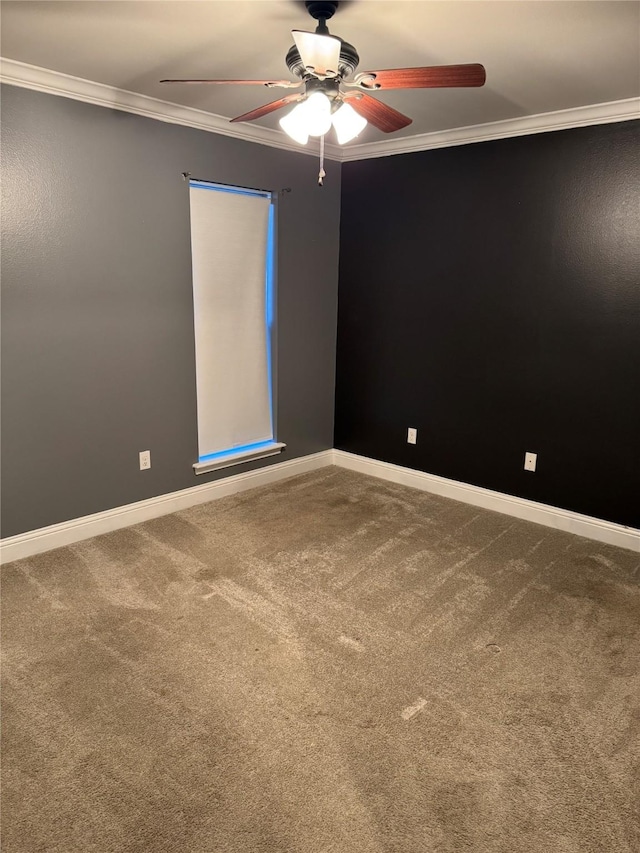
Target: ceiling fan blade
{"points": [[320, 54], [433, 77], [285, 84], [265, 109], [380, 115]]}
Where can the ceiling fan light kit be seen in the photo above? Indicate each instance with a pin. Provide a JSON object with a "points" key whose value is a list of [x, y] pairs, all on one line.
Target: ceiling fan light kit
{"points": [[324, 63], [294, 125], [317, 114], [347, 124]]}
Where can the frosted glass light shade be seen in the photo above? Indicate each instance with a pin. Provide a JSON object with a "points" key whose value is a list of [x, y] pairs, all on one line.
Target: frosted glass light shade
{"points": [[317, 109], [295, 124], [317, 52], [347, 123]]}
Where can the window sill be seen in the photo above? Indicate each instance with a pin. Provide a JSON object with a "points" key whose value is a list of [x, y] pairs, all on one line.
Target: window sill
{"points": [[226, 460]]}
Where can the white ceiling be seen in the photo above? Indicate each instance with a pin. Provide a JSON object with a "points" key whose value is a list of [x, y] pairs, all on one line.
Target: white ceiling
{"points": [[540, 56]]}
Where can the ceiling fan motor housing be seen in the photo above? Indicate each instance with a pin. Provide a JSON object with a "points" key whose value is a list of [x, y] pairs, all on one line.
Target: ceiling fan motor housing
{"points": [[329, 87], [348, 63]]}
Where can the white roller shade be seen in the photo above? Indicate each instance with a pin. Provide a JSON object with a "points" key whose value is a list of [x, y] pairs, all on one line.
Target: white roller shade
{"points": [[229, 244]]}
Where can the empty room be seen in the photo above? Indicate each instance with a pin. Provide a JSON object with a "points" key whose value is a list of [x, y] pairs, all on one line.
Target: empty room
{"points": [[320, 426]]}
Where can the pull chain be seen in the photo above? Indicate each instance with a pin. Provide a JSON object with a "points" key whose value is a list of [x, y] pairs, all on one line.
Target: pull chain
{"points": [[321, 173]]}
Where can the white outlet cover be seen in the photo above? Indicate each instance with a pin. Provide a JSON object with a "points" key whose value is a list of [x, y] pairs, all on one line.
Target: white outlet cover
{"points": [[412, 435], [145, 460], [530, 460]]}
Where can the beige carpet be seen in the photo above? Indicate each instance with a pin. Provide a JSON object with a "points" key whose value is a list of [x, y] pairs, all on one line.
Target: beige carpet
{"points": [[329, 665]]}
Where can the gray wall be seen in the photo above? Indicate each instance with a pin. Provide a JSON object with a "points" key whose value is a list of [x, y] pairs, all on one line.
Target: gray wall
{"points": [[97, 324]]}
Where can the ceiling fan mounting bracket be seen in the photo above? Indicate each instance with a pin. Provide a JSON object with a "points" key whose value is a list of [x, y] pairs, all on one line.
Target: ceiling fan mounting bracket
{"points": [[321, 10], [367, 80]]}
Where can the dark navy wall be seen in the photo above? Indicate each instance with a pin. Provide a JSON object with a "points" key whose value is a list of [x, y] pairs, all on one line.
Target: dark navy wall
{"points": [[490, 297], [97, 314]]}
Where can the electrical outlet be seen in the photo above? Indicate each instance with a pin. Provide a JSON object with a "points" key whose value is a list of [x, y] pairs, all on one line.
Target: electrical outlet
{"points": [[145, 460], [530, 460], [412, 435]]}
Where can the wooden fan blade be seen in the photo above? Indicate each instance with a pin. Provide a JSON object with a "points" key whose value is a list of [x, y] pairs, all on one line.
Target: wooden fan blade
{"points": [[284, 84], [434, 77], [380, 115], [265, 109]]}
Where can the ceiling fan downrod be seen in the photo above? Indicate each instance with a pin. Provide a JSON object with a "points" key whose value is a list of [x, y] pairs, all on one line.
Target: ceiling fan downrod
{"points": [[321, 10]]}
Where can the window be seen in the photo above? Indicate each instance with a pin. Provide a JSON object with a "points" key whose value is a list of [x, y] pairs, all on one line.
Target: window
{"points": [[232, 248]]}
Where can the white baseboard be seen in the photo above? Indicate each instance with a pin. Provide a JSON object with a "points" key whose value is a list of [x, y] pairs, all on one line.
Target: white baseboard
{"points": [[68, 532], [559, 519]]}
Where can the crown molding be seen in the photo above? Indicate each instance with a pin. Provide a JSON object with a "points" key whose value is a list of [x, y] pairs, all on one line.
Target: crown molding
{"points": [[606, 113], [21, 74], [26, 76]]}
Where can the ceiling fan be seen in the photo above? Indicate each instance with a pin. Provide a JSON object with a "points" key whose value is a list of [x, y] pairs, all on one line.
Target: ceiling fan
{"points": [[323, 63]]}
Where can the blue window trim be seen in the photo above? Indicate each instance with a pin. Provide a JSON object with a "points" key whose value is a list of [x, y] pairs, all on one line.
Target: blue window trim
{"points": [[227, 188], [244, 448], [269, 300]]}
